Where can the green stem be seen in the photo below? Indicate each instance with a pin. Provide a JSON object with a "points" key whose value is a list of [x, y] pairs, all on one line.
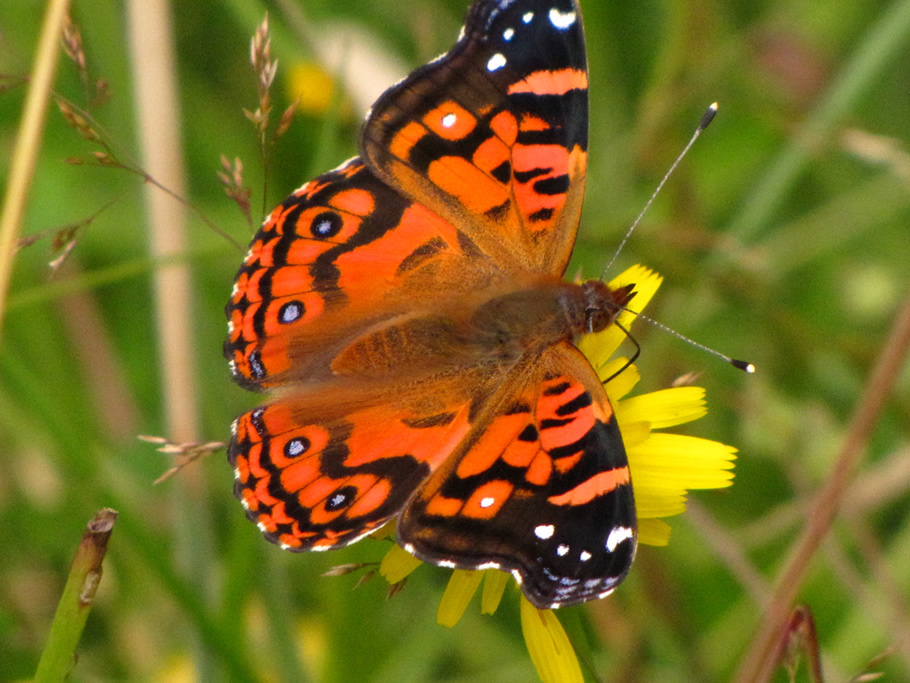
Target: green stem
{"points": [[77, 599]]}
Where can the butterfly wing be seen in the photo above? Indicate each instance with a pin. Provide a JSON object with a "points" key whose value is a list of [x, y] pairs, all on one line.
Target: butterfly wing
{"points": [[539, 487], [320, 470], [493, 135], [342, 253]]}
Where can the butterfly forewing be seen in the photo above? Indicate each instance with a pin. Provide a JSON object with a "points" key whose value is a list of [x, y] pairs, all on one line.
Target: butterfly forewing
{"points": [[493, 135], [342, 253]]}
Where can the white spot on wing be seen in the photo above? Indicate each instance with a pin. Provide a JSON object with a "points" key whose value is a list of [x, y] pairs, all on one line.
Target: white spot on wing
{"points": [[544, 531], [496, 62], [448, 120], [584, 556], [561, 20], [343, 165], [508, 34], [527, 17], [618, 534], [562, 549], [489, 565], [487, 502]]}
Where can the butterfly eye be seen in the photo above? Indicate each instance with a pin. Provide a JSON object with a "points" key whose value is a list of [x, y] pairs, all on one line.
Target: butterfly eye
{"points": [[597, 319], [327, 224]]}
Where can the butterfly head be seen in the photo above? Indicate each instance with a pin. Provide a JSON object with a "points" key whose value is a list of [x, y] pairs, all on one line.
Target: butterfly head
{"points": [[603, 304]]}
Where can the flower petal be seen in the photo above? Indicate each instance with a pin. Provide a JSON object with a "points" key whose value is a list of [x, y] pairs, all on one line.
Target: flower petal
{"points": [[462, 586], [494, 585], [397, 564], [653, 532], [665, 408], [651, 502], [549, 645], [621, 384], [633, 433], [666, 466], [646, 284], [687, 462]]}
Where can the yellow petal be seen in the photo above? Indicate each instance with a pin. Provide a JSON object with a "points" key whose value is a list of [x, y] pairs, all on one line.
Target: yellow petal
{"points": [[549, 645], [675, 460], [598, 347], [646, 284], [311, 86], [462, 586], [397, 564], [651, 502], [621, 384], [494, 585], [666, 466], [633, 433], [653, 532], [665, 408]]}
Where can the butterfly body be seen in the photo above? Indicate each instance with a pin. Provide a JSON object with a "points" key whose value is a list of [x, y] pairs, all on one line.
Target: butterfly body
{"points": [[407, 314]]}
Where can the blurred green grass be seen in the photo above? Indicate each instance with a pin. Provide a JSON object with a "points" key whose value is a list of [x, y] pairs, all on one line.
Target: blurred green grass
{"points": [[781, 241]]}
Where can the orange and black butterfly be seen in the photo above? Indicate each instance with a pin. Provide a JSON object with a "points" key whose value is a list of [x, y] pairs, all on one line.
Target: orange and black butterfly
{"points": [[406, 313]]}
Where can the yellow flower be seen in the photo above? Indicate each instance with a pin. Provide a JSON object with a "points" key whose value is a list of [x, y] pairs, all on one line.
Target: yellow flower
{"points": [[314, 89], [664, 467]]}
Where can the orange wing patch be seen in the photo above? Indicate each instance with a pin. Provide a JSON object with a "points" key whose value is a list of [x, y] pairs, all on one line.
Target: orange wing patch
{"points": [[555, 82]]}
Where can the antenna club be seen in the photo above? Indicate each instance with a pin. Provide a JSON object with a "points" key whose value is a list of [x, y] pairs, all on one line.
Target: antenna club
{"points": [[708, 117], [743, 365]]}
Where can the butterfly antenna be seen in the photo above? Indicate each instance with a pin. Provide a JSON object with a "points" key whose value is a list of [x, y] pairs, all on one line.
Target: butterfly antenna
{"points": [[705, 120], [743, 365], [634, 355]]}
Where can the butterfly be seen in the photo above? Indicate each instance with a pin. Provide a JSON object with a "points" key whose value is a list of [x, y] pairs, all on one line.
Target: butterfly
{"points": [[406, 314]]}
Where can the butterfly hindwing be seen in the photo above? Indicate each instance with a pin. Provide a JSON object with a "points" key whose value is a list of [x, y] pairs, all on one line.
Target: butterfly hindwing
{"points": [[540, 487], [315, 482], [493, 135]]}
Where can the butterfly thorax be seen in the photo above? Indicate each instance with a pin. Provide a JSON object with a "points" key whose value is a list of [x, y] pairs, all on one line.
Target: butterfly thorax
{"points": [[498, 327], [531, 320]]}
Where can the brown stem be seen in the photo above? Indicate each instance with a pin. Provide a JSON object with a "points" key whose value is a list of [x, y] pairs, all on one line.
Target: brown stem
{"points": [[758, 663]]}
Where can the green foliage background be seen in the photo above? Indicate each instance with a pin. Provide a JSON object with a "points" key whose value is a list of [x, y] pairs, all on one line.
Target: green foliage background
{"points": [[781, 239]]}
